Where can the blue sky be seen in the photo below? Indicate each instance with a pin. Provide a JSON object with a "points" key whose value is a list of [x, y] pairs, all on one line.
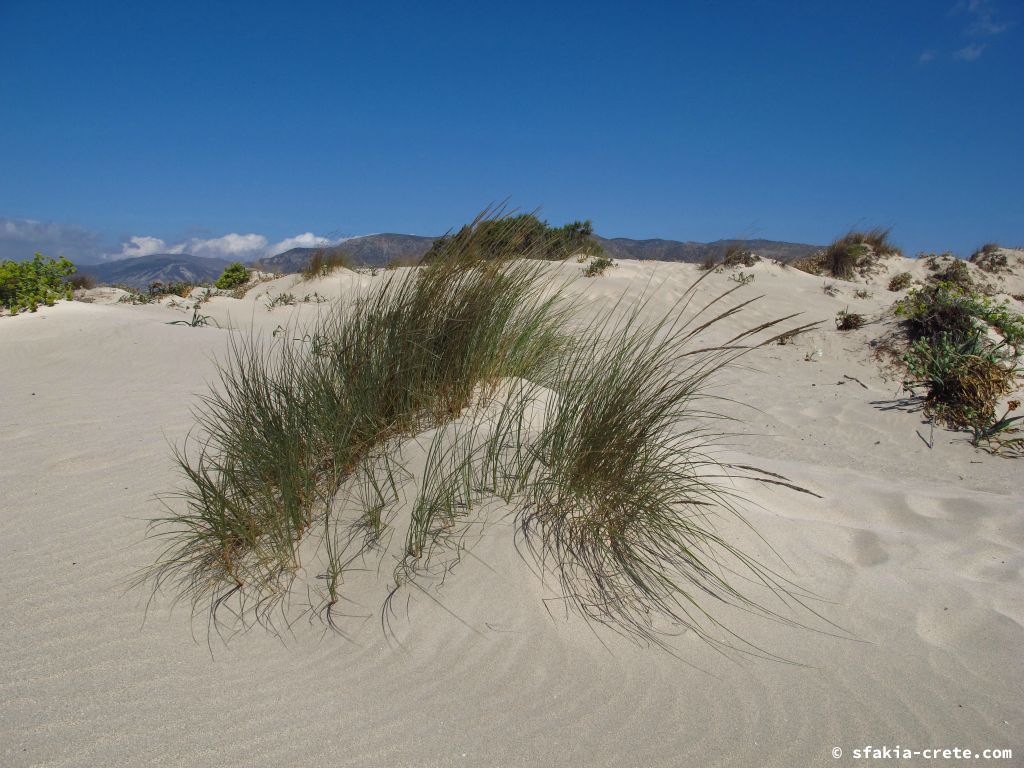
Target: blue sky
{"points": [[234, 127]]}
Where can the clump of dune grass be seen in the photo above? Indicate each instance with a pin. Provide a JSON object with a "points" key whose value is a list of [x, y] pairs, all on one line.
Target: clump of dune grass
{"points": [[325, 261], [849, 321], [600, 438], [853, 253]]}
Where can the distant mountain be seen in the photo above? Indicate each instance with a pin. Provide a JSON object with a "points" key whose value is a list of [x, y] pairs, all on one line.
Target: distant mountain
{"points": [[371, 250], [377, 250], [142, 271], [695, 253]]}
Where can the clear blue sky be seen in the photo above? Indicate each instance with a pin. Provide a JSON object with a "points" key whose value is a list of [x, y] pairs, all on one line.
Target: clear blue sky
{"points": [[696, 121]]}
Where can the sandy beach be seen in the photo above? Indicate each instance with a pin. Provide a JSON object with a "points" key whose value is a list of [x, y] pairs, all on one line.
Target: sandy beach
{"points": [[915, 551]]}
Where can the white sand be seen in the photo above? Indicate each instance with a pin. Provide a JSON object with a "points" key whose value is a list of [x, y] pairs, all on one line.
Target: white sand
{"points": [[919, 552]]}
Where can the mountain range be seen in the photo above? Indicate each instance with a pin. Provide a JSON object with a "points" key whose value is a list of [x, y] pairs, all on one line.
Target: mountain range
{"points": [[378, 250]]}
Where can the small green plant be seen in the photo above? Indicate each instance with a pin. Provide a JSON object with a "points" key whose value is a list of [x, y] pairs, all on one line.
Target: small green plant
{"points": [[234, 276], [24, 285], [281, 300], [743, 278], [900, 282], [314, 297], [849, 321], [135, 296], [197, 320], [597, 266]]}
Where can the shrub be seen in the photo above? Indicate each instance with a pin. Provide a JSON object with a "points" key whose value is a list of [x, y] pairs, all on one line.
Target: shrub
{"points": [[708, 264], [735, 256], [234, 276], [323, 262], [900, 282], [524, 234], [849, 321], [963, 381], [80, 281], [963, 370], [950, 309], [852, 253], [24, 285], [989, 259], [597, 266]]}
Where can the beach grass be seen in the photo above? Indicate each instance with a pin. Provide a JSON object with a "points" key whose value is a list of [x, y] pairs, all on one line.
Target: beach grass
{"points": [[598, 437]]}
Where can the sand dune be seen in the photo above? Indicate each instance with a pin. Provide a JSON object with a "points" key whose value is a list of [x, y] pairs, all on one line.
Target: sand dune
{"points": [[916, 553]]}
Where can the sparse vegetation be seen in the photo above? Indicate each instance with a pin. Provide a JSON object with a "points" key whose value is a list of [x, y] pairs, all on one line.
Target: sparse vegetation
{"points": [[524, 234], [196, 321], [24, 285], [862, 293], [830, 289], [281, 300], [849, 321], [324, 262], [234, 276], [610, 483], [989, 259], [855, 252], [597, 266], [900, 282], [965, 355], [743, 278], [736, 256]]}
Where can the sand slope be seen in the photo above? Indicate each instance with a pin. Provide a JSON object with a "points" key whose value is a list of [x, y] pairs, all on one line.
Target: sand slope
{"points": [[917, 551]]}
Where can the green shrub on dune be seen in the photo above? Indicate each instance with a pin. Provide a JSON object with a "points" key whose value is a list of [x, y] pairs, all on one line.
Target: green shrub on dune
{"points": [[24, 285], [233, 276]]}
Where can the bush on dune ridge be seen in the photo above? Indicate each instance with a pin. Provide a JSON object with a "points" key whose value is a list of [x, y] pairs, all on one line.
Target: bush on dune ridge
{"points": [[854, 252], [614, 491], [24, 285]]}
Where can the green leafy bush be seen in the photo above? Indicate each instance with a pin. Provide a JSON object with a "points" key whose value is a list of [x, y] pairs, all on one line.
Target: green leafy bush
{"points": [[949, 308], [597, 266], [965, 352], [233, 276], [963, 382], [27, 284]]}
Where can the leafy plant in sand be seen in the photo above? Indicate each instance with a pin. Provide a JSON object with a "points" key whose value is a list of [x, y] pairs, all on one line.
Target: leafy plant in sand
{"points": [[234, 276], [24, 285]]}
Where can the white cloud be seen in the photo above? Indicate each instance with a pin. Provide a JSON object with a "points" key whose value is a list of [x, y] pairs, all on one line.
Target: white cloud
{"points": [[20, 238], [305, 240], [245, 247], [970, 52], [982, 15], [230, 246], [925, 57], [140, 246]]}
